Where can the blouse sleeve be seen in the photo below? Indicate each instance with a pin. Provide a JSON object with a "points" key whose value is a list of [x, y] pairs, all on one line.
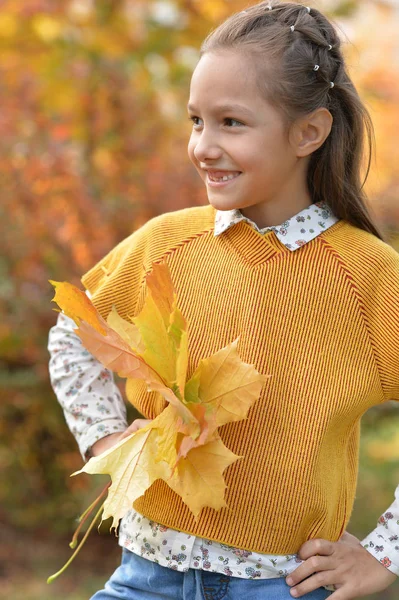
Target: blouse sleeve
{"points": [[92, 405], [383, 541]]}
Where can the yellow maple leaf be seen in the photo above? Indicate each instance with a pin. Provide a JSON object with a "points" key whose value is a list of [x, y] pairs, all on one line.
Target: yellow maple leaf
{"points": [[225, 388], [76, 305], [127, 331], [136, 462], [163, 330], [132, 468], [227, 385], [198, 478], [182, 445]]}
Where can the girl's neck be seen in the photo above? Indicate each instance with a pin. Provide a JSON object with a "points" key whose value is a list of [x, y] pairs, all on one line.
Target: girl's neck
{"points": [[271, 213]]}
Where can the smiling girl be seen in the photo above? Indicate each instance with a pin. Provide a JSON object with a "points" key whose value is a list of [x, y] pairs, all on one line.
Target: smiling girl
{"points": [[287, 257]]}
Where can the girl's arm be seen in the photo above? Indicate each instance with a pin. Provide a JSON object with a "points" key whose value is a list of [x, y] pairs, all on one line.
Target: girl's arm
{"points": [[92, 404]]}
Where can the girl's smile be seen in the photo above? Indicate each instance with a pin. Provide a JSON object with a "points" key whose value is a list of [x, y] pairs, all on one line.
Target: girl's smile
{"points": [[221, 178]]}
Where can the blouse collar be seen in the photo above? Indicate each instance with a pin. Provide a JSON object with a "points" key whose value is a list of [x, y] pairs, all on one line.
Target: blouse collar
{"points": [[294, 233]]}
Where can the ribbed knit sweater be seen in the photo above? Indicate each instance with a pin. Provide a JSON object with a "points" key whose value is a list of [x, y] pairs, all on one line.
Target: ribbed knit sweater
{"points": [[323, 321]]}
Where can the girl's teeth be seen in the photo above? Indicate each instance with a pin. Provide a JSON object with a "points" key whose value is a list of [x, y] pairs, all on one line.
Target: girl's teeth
{"points": [[224, 178]]}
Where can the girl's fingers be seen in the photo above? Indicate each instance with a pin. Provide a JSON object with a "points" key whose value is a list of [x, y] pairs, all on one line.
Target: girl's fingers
{"points": [[316, 546], [315, 582], [135, 426], [315, 564]]}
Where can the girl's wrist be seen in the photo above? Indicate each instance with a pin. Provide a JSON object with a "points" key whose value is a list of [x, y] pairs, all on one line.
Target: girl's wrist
{"points": [[101, 445]]}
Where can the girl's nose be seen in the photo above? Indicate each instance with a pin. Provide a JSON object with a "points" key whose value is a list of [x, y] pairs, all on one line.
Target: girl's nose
{"points": [[206, 147]]}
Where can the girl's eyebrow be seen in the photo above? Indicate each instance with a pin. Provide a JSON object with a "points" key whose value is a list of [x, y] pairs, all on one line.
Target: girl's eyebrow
{"points": [[226, 108]]}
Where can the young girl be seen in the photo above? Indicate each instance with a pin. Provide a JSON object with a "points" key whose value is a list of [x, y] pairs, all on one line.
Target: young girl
{"points": [[287, 257]]}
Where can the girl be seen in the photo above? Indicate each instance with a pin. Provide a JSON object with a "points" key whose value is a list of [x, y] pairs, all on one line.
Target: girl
{"points": [[286, 256]]}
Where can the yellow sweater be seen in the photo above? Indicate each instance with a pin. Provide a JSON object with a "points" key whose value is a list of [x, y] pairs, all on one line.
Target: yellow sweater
{"points": [[323, 320]]}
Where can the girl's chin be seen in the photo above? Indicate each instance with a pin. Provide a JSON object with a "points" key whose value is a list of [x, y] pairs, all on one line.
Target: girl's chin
{"points": [[223, 203]]}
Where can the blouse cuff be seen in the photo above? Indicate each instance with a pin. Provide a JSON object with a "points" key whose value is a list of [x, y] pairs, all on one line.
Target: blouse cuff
{"points": [[97, 431], [384, 548]]}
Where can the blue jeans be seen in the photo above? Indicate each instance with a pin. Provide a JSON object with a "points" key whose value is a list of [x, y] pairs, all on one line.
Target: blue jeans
{"points": [[140, 579]]}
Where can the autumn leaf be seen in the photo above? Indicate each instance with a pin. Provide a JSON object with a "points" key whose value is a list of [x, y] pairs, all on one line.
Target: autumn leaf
{"points": [[76, 305], [128, 332], [163, 330], [202, 470], [182, 445], [111, 349], [225, 388], [132, 468], [149, 454], [136, 462]]}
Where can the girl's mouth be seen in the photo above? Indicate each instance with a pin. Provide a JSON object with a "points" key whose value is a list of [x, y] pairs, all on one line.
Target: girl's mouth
{"points": [[221, 181]]}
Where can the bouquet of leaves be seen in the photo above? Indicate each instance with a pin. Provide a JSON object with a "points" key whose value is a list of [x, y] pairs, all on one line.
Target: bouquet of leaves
{"points": [[182, 445]]}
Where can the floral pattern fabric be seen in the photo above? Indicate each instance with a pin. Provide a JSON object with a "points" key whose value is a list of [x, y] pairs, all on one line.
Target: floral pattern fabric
{"points": [[92, 404], [181, 551], [294, 233], [93, 409], [383, 542]]}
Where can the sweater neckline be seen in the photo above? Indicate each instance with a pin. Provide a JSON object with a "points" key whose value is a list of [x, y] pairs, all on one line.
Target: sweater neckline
{"points": [[256, 248], [251, 246]]}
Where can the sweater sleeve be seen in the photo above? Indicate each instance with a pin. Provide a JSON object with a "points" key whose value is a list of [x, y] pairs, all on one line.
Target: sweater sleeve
{"points": [[372, 268], [383, 314], [119, 280], [116, 278]]}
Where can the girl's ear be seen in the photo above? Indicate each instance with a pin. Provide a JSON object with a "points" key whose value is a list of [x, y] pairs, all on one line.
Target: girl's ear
{"points": [[310, 132]]}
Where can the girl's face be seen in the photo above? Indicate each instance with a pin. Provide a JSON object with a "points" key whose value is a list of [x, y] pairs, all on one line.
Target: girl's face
{"points": [[248, 137]]}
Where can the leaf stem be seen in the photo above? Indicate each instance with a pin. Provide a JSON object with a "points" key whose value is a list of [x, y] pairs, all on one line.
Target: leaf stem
{"points": [[84, 516], [52, 577]]}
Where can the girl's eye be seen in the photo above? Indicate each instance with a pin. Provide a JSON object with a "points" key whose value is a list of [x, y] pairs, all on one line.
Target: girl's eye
{"points": [[194, 121], [232, 122]]}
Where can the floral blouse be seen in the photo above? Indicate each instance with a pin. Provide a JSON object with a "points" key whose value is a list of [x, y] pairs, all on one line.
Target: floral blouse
{"points": [[93, 408]]}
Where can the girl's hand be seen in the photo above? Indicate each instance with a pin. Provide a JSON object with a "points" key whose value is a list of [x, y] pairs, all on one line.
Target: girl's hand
{"points": [[110, 440], [348, 566]]}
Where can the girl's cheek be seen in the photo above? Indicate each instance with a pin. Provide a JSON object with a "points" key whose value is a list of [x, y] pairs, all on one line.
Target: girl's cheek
{"points": [[190, 150], [194, 160]]}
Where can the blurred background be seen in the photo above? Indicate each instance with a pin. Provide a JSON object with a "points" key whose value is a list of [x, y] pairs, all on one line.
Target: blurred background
{"points": [[93, 139]]}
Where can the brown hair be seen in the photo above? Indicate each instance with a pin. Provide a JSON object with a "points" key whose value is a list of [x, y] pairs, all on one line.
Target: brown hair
{"points": [[297, 89]]}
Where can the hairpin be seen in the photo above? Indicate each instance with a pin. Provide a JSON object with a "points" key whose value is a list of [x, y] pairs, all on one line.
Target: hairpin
{"points": [[329, 47], [292, 27], [316, 67], [270, 7], [332, 84], [308, 9]]}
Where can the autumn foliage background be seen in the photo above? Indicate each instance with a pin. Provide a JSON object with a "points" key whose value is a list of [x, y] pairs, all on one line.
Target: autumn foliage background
{"points": [[94, 131]]}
